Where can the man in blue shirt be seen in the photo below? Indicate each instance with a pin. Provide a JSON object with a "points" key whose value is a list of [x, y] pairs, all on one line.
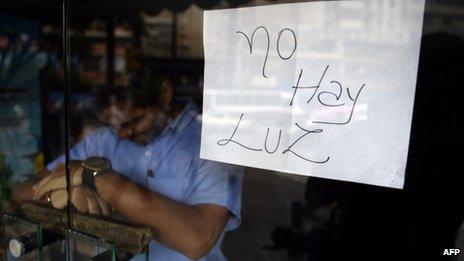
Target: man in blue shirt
{"points": [[157, 178]]}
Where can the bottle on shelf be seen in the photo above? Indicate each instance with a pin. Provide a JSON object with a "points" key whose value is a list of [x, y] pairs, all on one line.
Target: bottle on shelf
{"points": [[24, 244]]}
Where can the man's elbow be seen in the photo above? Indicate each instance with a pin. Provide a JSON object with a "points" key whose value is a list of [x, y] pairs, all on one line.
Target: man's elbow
{"points": [[196, 254], [199, 247]]}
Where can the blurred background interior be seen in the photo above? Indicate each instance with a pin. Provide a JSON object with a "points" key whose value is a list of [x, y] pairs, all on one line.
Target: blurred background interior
{"points": [[284, 217]]}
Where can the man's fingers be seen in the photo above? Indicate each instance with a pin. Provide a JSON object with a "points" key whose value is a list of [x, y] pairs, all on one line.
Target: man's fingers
{"points": [[92, 202], [59, 198], [105, 207], [52, 184], [57, 179], [39, 187], [85, 201], [79, 199], [60, 165], [40, 184]]}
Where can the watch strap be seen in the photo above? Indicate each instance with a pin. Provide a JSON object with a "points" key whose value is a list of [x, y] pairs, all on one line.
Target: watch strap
{"points": [[88, 179]]}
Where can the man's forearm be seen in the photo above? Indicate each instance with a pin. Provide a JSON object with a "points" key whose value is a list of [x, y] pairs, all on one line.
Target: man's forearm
{"points": [[192, 230]]}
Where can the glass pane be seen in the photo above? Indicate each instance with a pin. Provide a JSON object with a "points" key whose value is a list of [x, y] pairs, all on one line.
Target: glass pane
{"points": [[27, 56], [53, 250], [31, 105], [32, 132], [136, 103], [85, 247]]}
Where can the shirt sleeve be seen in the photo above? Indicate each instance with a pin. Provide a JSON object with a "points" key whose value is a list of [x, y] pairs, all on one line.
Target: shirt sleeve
{"points": [[220, 184], [89, 146]]}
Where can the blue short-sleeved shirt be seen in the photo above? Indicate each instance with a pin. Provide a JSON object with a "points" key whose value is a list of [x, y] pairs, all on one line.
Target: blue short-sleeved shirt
{"points": [[170, 165]]}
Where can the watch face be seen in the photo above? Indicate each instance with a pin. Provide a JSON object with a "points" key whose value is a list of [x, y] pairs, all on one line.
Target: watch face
{"points": [[97, 163]]}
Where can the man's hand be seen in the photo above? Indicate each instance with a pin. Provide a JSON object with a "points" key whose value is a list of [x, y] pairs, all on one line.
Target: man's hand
{"points": [[84, 199], [56, 180]]}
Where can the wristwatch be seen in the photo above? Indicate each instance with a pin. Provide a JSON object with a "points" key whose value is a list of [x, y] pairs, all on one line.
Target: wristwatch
{"points": [[93, 167]]}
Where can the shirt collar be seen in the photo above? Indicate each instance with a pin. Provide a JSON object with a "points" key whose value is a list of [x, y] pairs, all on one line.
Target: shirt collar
{"points": [[185, 117]]}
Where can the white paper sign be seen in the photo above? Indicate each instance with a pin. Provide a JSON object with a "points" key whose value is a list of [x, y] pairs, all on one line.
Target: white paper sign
{"points": [[321, 89]]}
